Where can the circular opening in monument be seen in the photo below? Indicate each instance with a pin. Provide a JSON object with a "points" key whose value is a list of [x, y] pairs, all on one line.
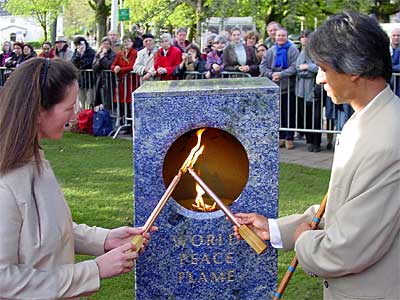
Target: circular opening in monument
{"points": [[223, 166]]}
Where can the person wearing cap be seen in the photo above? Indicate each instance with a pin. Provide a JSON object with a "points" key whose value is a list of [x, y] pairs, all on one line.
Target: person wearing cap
{"points": [[62, 49], [144, 64]]}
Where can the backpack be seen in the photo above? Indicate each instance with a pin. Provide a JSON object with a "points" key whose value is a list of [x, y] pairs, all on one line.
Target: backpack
{"points": [[102, 124], [85, 121]]}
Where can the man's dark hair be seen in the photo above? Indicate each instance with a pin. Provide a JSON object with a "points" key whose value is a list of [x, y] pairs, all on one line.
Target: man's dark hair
{"points": [[352, 43]]}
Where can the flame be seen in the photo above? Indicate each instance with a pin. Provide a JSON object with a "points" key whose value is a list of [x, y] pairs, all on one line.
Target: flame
{"points": [[200, 205], [194, 154]]}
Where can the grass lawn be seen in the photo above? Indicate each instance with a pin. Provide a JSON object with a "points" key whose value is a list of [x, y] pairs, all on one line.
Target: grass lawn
{"points": [[96, 177]]}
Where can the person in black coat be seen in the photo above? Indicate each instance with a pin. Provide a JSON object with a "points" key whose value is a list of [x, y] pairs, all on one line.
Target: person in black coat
{"points": [[191, 62], [17, 58], [82, 59], [102, 61]]}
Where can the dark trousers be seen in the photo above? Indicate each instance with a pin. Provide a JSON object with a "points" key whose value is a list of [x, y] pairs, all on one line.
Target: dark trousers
{"points": [[288, 115], [313, 121]]}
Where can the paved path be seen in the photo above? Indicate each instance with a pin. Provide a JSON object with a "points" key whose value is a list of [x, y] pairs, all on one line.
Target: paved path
{"points": [[299, 155]]}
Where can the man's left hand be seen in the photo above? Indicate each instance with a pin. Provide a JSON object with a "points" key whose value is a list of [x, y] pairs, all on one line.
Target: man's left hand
{"points": [[300, 229]]}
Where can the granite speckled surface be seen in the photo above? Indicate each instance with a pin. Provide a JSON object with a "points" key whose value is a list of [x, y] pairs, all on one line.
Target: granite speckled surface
{"points": [[194, 255]]}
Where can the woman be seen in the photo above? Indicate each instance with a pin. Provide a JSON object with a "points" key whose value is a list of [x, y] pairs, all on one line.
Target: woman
{"points": [[38, 237], [122, 65], [308, 106], [251, 39], [83, 60], [215, 58], [279, 65], [261, 51], [239, 57], [17, 58], [102, 61], [191, 62], [7, 53], [28, 52]]}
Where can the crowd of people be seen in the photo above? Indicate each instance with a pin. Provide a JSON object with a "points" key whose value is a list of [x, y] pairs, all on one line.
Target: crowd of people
{"points": [[138, 58]]}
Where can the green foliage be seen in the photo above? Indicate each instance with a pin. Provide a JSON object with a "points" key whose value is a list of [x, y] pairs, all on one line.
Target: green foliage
{"points": [[96, 177]]}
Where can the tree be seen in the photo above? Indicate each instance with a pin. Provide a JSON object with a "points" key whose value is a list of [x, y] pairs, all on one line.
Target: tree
{"points": [[102, 11], [44, 11]]}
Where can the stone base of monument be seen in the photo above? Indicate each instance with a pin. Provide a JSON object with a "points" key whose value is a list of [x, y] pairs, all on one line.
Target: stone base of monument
{"points": [[195, 255]]}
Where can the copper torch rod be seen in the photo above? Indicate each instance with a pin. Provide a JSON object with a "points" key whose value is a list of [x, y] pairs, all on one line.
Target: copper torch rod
{"points": [[293, 265], [138, 239], [245, 232]]}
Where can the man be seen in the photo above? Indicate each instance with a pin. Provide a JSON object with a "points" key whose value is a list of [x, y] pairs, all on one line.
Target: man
{"points": [[279, 65], [47, 50], [395, 52], [356, 249], [168, 57], [272, 28], [62, 49], [395, 40], [180, 40], [144, 64], [114, 36]]}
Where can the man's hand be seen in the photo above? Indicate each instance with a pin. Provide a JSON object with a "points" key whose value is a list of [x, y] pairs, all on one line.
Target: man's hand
{"points": [[122, 235], [257, 223], [276, 76], [146, 76], [300, 229]]}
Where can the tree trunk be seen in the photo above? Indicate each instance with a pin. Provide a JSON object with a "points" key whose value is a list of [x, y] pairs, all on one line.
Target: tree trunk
{"points": [[199, 6]]}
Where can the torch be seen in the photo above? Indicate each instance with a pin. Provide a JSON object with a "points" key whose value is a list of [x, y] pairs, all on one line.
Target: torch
{"points": [[196, 151], [245, 232], [293, 265]]}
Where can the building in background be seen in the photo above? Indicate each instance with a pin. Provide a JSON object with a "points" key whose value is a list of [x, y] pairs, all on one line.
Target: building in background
{"points": [[18, 28]]}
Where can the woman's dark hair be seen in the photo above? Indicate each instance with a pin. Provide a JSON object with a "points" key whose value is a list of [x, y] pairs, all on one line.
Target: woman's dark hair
{"points": [[352, 43], [79, 39], [195, 48], [250, 34], [30, 47], [305, 33], [47, 43], [21, 100], [19, 45]]}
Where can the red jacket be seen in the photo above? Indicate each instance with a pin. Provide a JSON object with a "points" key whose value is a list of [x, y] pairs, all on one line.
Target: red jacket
{"points": [[126, 65], [169, 61]]}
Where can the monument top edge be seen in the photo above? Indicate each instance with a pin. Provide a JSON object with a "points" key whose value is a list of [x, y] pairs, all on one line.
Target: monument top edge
{"points": [[206, 84]]}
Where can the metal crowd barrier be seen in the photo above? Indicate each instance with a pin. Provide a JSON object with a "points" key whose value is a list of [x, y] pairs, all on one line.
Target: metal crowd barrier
{"points": [[115, 93]]}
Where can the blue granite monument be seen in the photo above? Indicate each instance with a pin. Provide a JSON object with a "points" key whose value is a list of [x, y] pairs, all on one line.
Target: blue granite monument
{"points": [[194, 255]]}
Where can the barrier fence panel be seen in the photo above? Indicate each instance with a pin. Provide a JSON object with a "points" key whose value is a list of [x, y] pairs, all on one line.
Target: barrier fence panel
{"points": [[317, 114]]}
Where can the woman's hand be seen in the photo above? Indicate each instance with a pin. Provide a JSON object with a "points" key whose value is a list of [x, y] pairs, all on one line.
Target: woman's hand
{"points": [[122, 235], [117, 69], [118, 261]]}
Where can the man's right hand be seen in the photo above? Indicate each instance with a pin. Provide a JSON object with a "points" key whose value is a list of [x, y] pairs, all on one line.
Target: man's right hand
{"points": [[257, 223]]}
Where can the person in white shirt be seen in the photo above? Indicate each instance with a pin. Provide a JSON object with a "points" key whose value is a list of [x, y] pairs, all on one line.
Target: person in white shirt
{"points": [[144, 64], [356, 247]]}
